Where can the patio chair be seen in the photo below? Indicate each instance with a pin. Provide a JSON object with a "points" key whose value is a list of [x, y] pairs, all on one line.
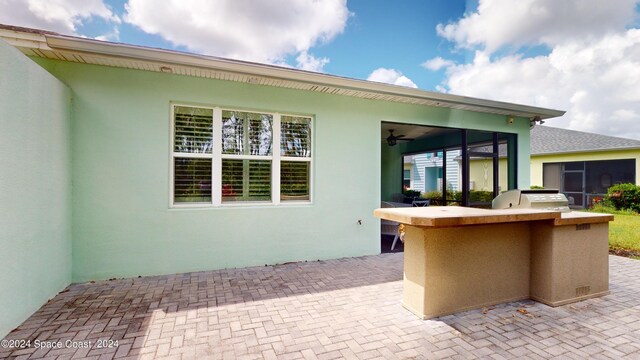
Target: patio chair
{"points": [[414, 203], [388, 227], [397, 198], [399, 235], [421, 203]]}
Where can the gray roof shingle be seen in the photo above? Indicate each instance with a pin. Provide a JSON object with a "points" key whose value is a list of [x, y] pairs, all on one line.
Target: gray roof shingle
{"points": [[551, 140]]}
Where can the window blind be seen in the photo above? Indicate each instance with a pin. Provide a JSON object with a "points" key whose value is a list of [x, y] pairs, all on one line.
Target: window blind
{"points": [[192, 180], [295, 136], [193, 130], [246, 133], [246, 180], [243, 162], [294, 180]]}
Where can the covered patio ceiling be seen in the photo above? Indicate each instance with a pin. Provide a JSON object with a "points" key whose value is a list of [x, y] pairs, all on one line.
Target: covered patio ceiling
{"points": [[412, 131]]}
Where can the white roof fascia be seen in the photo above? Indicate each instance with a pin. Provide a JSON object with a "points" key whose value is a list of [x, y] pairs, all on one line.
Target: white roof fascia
{"points": [[242, 67], [25, 39], [55, 42]]}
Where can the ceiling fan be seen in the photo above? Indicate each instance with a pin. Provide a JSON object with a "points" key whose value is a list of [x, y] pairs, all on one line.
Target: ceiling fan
{"points": [[393, 140]]}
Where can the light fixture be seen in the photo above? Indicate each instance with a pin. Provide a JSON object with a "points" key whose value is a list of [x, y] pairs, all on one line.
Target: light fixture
{"points": [[534, 120], [510, 119]]}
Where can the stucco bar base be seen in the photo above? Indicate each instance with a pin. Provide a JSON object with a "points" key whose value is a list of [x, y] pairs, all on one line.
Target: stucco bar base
{"points": [[447, 270], [453, 269], [569, 263]]}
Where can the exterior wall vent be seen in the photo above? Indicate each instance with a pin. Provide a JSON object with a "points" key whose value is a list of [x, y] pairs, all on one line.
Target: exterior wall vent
{"points": [[583, 290]]}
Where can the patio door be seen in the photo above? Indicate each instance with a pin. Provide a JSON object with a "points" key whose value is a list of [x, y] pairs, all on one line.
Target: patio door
{"points": [[573, 183]]}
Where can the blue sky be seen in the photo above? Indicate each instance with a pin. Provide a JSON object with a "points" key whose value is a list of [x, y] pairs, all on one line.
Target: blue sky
{"points": [[582, 56], [376, 35], [398, 37]]}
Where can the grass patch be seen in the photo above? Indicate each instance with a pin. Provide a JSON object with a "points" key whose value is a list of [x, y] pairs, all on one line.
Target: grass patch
{"points": [[624, 231], [624, 234], [601, 208]]}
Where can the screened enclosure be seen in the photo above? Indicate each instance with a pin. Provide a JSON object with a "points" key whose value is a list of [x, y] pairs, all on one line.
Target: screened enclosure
{"points": [[584, 182], [447, 165]]}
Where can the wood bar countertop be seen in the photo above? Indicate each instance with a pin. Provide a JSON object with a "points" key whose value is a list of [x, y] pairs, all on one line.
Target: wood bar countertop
{"points": [[447, 216], [579, 217]]}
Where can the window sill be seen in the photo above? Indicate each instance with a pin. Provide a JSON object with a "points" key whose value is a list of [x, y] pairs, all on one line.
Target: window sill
{"points": [[244, 205]]}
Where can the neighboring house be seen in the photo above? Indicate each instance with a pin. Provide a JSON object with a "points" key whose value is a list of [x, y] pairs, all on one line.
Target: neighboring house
{"points": [[582, 165], [424, 172], [426, 169], [120, 160]]}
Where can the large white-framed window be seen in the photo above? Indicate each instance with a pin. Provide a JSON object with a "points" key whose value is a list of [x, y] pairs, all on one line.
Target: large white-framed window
{"points": [[230, 157]]}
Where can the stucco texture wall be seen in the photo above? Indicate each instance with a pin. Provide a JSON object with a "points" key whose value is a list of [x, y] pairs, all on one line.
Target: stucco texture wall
{"points": [[35, 187], [537, 161], [122, 222]]}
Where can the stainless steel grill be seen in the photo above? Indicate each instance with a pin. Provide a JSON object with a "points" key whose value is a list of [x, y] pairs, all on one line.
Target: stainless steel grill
{"points": [[543, 199]]}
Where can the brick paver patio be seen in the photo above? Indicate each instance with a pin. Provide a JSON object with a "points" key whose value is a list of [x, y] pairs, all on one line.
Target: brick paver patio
{"points": [[347, 308]]}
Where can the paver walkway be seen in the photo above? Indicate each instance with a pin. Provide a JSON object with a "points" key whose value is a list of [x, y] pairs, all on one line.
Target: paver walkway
{"points": [[347, 308]]}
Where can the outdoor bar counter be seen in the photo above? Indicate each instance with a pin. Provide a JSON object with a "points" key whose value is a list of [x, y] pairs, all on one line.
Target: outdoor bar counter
{"points": [[458, 258]]}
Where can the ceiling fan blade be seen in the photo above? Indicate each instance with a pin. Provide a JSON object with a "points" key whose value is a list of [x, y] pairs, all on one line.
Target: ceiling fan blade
{"points": [[391, 139]]}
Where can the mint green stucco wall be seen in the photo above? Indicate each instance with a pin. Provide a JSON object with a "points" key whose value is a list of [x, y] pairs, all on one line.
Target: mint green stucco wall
{"points": [[122, 223], [391, 165], [35, 187]]}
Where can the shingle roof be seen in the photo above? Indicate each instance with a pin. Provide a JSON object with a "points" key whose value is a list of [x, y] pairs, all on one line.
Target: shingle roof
{"points": [[551, 140]]}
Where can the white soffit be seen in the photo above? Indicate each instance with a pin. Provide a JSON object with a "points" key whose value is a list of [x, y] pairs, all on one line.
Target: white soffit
{"points": [[67, 48]]}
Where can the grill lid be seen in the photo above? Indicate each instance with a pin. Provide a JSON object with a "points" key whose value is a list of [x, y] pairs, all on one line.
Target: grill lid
{"points": [[543, 199]]}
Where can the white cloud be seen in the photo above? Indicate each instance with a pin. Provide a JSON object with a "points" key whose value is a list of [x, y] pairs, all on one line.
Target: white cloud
{"points": [[263, 31], [593, 73], [596, 83], [114, 35], [311, 63], [391, 76], [499, 23], [437, 63], [62, 16]]}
